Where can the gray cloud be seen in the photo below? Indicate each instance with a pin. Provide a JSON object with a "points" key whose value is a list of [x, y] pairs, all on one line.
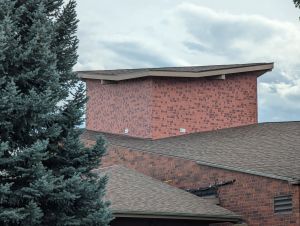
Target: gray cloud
{"points": [[278, 103], [194, 46], [133, 53], [221, 31]]}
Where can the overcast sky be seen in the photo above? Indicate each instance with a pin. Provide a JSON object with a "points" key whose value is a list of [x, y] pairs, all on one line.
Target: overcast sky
{"points": [[156, 33]]}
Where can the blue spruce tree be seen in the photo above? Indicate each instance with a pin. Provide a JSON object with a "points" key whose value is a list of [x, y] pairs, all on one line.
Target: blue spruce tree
{"points": [[45, 171]]}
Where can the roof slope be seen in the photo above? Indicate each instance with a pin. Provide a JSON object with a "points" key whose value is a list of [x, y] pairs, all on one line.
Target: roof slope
{"points": [[191, 71], [267, 149], [133, 194]]}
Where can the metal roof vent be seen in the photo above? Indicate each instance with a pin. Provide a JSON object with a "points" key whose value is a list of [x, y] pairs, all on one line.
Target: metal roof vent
{"points": [[283, 204]]}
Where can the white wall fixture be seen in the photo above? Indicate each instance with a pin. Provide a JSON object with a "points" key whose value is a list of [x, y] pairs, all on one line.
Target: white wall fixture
{"points": [[182, 130]]}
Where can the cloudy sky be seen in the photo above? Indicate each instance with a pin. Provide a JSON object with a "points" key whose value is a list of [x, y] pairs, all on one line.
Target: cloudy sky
{"points": [[155, 33]]}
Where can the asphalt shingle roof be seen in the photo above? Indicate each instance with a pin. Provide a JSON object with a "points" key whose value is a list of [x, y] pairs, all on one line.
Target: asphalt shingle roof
{"points": [[133, 193], [266, 149]]}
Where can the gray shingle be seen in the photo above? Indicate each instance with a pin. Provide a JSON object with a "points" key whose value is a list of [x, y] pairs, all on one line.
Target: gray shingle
{"points": [[131, 192], [268, 149]]}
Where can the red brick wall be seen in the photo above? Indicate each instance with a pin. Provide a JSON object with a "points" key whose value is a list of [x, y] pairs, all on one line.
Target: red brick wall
{"points": [[159, 107], [113, 107], [250, 196], [203, 104]]}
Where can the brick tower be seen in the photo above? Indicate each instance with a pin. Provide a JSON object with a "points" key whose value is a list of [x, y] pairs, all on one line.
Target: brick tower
{"points": [[162, 102]]}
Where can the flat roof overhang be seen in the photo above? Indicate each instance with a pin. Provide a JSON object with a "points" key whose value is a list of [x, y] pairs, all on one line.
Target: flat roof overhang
{"points": [[107, 75]]}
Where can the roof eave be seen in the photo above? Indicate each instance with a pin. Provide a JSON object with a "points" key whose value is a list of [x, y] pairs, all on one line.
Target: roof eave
{"points": [[292, 181], [209, 73], [295, 181], [177, 216]]}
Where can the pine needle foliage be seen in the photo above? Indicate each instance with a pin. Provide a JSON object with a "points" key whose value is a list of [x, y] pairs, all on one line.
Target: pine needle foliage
{"points": [[45, 170]]}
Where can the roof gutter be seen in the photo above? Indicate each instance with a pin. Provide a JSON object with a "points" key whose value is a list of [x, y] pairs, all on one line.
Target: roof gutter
{"points": [[292, 181], [177, 216]]}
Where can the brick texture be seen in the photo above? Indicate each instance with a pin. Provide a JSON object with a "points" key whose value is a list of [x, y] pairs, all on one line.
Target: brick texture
{"points": [[202, 104], [250, 196], [112, 108], [159, 107]]}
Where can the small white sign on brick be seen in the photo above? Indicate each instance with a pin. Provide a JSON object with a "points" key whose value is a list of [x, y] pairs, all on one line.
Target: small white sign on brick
{"points": [[182, 130]]}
